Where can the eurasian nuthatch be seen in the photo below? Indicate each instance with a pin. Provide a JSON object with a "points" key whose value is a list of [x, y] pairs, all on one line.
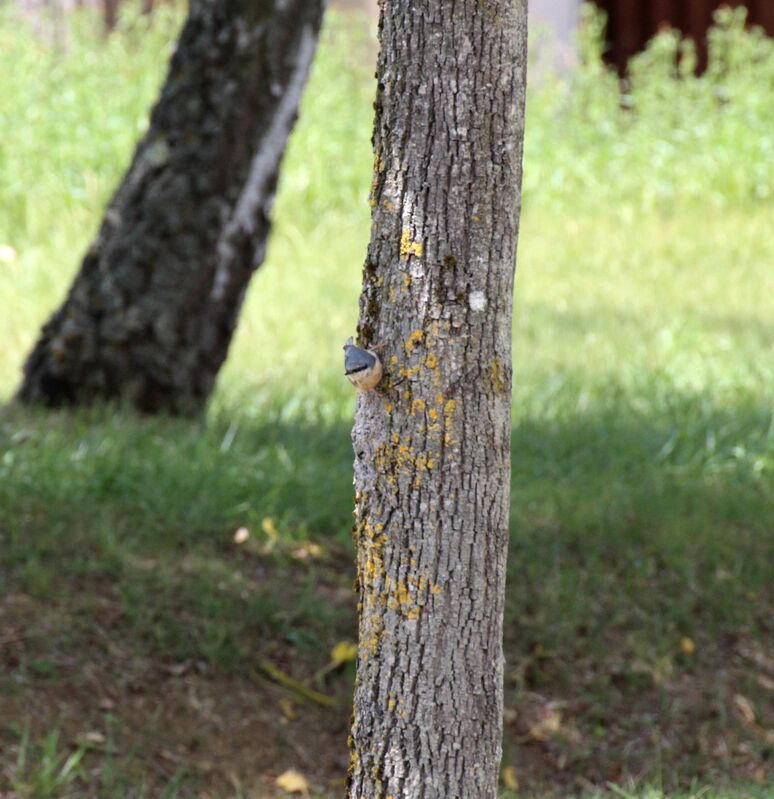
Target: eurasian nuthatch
{"points": [[363, 368]]}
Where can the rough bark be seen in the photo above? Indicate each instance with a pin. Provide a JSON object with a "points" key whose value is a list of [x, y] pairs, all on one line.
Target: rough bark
{"points": [[432, 443], [150, 316]]}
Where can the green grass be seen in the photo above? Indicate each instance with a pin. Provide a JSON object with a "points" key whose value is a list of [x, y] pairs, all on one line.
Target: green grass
{"points": [[49, 770], [643, 438]]}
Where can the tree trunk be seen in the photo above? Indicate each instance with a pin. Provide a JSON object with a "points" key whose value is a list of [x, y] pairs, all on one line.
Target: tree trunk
{"points": [[110, 13], [432, 442], [150, 316]]}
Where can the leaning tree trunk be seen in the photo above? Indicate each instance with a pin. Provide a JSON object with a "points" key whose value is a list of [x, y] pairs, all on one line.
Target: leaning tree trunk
{"points": [[432, 443], [150, 316]]}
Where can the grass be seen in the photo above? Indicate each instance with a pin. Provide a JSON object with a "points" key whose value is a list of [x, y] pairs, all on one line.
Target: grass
{"points": [[643, 469]]}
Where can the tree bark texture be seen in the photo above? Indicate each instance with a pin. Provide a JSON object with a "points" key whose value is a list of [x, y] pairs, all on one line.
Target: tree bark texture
{"points": [[150, 316], [432, 443]]}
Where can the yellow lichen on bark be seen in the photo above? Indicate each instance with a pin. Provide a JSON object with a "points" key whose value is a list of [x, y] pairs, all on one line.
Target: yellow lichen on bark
{"points": [[378, 167], [448, 416], [371, 540], [497, 377], [414, 340], [408, 246], [417, 406]]}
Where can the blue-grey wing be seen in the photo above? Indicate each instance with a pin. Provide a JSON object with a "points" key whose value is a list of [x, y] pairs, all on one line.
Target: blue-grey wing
{"points": [[356, 359]]}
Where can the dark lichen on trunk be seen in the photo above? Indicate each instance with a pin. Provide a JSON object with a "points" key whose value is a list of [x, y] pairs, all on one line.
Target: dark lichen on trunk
{"points": [[432, 443], [149, 317]]}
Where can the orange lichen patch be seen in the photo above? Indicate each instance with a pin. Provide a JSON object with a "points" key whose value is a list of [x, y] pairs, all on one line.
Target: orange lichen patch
{"points": [[394, 457], [439, 399], [414, 340], [400, 599], [417, 406], [448, 416], [409, 596], [370, 540], [409, 247], [433, 414], [425, 585], [412, 371], [393, 360], [497, 377], [402, 594], [371, 633], [423, 463], [431, 362]]}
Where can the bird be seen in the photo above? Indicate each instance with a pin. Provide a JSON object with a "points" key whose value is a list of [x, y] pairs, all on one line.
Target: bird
{"points": [[362, 367]]}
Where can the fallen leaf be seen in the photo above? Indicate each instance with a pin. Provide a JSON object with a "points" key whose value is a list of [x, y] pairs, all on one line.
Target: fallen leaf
{"points": [[510, 780], [756, 654], [744, 710], [269, 528], [343, 652], [548, 723], [307, 551], [241, 535], [170, 756], [687, 645], [177, 669], [92, 740], [720, 749], [271, 533], [293, 781]]}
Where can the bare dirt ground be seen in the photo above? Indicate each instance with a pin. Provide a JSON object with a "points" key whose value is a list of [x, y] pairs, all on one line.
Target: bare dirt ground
{"points": [[568, 726]]}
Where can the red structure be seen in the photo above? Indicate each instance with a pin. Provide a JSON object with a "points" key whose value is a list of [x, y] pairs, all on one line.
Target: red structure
{"points": [[631, 23]]}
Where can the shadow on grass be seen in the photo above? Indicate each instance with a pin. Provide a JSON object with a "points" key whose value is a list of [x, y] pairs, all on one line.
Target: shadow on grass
{"points": [[632, 532], [605, 497], [627, 524]]}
